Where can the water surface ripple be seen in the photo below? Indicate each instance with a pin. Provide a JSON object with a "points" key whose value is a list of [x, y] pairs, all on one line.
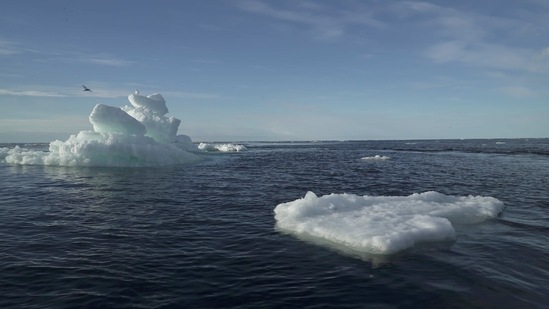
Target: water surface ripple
{"points": [[204, 236]]}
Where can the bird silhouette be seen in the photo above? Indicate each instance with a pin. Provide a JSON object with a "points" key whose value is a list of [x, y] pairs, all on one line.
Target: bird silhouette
{"points": [[86, 88]]}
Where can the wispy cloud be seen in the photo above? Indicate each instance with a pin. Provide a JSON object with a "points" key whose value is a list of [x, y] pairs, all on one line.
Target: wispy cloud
{"points": [[480, 40], [492, 56], [324, 22], [466, 35], [30, 93], [190, 95], [108, 60], [100, 90], [56, 123], [519, 92], [8, 48], [91, 58]]}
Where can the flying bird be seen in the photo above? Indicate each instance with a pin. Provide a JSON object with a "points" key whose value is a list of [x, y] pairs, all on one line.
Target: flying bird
{"points": [[86, 88]]}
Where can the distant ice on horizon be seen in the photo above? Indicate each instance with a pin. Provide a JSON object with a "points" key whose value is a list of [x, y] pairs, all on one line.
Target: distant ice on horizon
{"points": [[382, 225], [376, 157]]}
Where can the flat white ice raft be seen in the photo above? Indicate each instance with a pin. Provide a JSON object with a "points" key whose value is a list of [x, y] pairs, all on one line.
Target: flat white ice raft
{"points": [[382, 224]]}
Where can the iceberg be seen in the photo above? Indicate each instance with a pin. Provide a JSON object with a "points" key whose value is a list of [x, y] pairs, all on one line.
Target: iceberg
{"points": [[136, 135], [109, 119], [154, 103]]}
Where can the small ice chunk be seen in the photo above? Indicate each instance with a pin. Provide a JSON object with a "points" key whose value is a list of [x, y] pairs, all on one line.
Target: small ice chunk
{"points": [[376, 157]]}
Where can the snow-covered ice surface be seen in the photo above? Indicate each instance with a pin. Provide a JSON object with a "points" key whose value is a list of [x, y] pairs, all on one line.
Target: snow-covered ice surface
{"points": [[382, 224], [136, 135], [221, 147]]}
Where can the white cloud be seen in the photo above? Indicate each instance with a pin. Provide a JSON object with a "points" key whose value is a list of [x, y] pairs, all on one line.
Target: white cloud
{"points": [[8, 48], [30, 93], [491, 56], [519, 92], [108, 60], [190, 95], [54, 124], [467, 35], [324, 22], [12, 48], [446, 51], [544, 53], [99, 90], [482, 41]]}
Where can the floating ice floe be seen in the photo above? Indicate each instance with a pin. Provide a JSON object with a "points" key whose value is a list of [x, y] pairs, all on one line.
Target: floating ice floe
{"points": [[376, 157], [383, 224], [137, 135], [221, 147]]}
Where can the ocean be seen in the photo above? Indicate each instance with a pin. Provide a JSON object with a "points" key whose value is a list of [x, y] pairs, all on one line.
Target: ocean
{"points": [[204, 234]]}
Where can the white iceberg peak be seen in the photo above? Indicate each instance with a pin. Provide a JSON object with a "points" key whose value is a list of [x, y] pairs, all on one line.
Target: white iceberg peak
{"points": [[154, 102]]}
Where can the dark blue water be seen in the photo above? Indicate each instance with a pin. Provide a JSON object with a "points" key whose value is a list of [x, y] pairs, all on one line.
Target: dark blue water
{"points": [[203, 235]]}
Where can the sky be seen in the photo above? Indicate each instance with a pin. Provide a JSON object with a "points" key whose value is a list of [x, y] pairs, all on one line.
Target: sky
{"points": [[249, 70]]}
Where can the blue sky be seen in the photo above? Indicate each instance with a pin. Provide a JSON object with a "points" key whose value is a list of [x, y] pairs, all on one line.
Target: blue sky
{"points": [[280, 70]]}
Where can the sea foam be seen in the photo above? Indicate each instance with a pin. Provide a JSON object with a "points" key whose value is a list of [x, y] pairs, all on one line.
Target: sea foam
{"points": [[382, 224]]}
